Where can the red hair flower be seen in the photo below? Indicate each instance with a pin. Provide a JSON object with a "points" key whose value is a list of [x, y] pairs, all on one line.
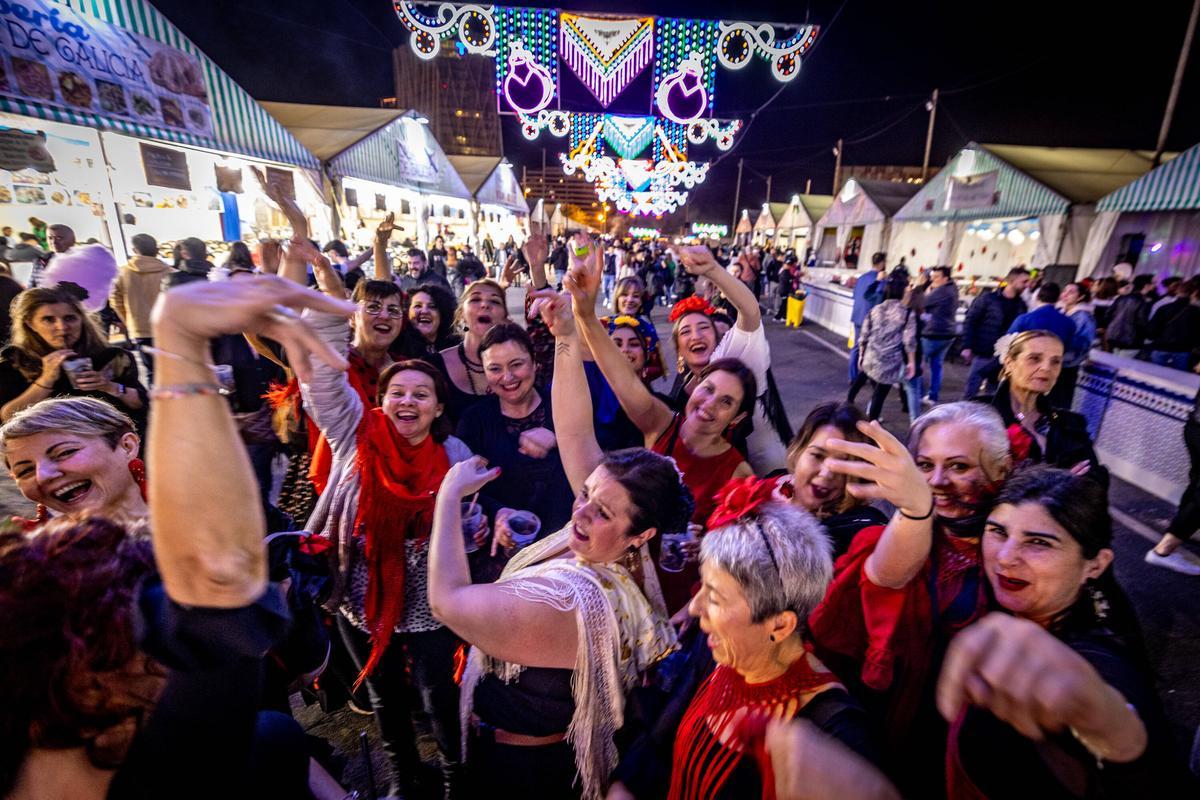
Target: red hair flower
{"points": [[739, 498], [1019, 442], [691, 305]]}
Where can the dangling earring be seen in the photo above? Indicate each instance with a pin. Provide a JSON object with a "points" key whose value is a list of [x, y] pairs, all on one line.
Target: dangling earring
{"points": [[137, 468], [1099, 601]]}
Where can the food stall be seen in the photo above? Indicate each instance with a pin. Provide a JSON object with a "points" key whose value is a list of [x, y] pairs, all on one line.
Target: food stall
{"points": [[998, 206], [123, 68], [1151, 223]]}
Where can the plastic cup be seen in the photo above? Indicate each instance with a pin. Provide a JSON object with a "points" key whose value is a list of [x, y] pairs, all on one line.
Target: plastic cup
{"points": [[224, 374], [524, 526], [472, 518], [673, 556], [74, 366]]}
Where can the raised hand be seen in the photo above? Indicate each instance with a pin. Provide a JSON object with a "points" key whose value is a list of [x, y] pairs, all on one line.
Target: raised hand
{"points": [[696, 259], [384, 230], [286, 204], [537, 442], [536, 250], [270, 253], [555, 311], [467, 477], [52, 366], [262, 304], [888, 469]]}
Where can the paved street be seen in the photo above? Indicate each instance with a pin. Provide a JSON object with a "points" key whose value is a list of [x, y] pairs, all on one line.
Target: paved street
{"points": [[810, 367]]}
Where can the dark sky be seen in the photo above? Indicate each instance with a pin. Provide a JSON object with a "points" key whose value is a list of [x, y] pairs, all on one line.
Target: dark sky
{"points": [[1041, 73]]}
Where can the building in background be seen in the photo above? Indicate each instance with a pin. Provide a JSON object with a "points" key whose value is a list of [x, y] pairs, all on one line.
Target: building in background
{"points": [[457, 93]]}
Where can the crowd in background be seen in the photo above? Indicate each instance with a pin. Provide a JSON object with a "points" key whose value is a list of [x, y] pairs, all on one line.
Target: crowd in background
{"points": [[566, 565]]}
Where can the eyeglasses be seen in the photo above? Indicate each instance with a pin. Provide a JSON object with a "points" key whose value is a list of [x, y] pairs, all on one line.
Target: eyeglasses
{"points": [[379, 310]]}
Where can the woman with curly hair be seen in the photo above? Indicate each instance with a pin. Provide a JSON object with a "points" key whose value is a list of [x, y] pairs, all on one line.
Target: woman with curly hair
{"points": [[430, 324]]}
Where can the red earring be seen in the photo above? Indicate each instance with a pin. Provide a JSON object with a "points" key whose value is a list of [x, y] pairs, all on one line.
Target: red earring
{"points": [[137, 468]]}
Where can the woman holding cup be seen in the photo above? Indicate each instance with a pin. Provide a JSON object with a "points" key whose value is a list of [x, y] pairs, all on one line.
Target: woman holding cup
{"points": [[58, 350], [377, 514]]}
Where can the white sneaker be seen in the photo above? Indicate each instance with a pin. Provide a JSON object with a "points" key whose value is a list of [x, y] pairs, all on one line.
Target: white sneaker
{"points": [[928, 401], [1181, 561]]}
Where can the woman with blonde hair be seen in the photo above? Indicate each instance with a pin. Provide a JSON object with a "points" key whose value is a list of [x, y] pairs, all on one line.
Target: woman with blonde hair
{"points": [[59, 350], [481, 306]]}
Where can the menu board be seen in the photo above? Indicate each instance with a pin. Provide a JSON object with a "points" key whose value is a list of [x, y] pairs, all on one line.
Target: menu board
{"points": [[53, 55], [166, 167]]}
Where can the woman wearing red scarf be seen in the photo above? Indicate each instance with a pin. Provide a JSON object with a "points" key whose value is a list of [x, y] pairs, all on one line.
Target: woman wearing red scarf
{"points": [[378, 514], [765, 565], [902, 591]]}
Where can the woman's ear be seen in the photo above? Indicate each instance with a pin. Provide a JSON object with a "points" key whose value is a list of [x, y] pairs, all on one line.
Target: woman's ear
{"points": [[644, 537], [1096, 566], [782, 625], [129, 444]]}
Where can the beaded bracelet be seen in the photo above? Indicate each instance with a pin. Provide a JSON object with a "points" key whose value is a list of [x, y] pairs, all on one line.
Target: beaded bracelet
{"points": [[932, 506], [184, 390]]}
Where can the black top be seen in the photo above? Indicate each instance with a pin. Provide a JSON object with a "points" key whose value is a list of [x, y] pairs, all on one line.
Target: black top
{"points": [[989, 318], [199, 741], [843, 527], [1067, 439], [114, 361], [653, 716], [1003, 763], [1175, 328], [532, 484], [538, 703]]}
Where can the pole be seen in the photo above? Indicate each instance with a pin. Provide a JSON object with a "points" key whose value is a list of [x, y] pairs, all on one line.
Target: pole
{"points": [[1169, 114], [808, 186], [837, 168], [929, 134], [768, 188], [737, 198]]}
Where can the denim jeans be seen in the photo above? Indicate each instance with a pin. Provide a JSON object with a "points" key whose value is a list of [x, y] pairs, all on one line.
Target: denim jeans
{"points": [[854, 354], [912, 388], [609, 281], [982, 369], [935, 353], [1165, 358]]}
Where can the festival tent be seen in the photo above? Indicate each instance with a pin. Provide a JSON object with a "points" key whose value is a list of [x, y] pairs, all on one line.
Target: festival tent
{"points": [[859, 220], [794, 229], [1152, 223], [164, 141], [503, 212], [744, 229], [767, 224], [996, 206]]}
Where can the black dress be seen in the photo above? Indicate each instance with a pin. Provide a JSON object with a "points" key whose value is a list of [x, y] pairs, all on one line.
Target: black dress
{"points": [[119, 364]]}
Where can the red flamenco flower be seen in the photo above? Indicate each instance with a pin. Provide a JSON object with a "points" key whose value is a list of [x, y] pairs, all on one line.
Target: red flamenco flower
{"points": [[1019, 442], [691, 305], [739, 498]]}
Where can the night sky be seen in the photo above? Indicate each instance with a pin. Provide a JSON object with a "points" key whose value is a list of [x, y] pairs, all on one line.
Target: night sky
{"points": [[1044, 73]]}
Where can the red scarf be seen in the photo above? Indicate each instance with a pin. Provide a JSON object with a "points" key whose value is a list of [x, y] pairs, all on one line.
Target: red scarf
{"points": [[364, 379], [727, 719], [399, 483]]}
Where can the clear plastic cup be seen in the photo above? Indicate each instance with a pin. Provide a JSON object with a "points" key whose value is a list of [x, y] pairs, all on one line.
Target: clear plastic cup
{"points": [[524, 526], [674, 556], [472, 518], [75, 365]]}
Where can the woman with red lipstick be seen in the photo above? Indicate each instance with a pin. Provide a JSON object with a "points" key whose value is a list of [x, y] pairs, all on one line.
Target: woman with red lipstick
{"points": [[429, 327], [1040, 432], [629, 300], [569, 628], [902, 591], [389, 457], [1052, 693], [481, 306], [818, 489]]}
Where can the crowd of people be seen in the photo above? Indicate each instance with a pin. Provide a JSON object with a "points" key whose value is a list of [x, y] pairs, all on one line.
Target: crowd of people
{"points": [[566, 565]]}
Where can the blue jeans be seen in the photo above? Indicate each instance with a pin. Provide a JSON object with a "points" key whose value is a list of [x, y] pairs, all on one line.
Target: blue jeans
{"points": [[935, 353], [609, 281], [854, 353], [1165, 358], [981, 369], [912, 388]]}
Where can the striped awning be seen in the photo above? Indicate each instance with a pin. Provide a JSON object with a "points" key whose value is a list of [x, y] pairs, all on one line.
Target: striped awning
{"points": [[240, 125], [1174, 186], [1017, 194]]}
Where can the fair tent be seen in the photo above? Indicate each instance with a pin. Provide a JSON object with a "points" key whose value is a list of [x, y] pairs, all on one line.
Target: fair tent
{"points": [[868, 204], [326, 131], [800, 217], [474, 170], [501, 188]]}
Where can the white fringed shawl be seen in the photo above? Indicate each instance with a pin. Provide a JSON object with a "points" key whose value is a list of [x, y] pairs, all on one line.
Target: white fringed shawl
{"points": [[621, 634]]}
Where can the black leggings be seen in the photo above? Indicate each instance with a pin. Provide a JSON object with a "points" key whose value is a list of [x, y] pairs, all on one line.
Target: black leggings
{"points": [[875, 407], [1187, 518], [427, 661]]}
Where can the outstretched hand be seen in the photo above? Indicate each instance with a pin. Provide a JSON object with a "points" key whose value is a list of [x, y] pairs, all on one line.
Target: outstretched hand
{"points": [[286, 204], [467, 477], [536, 250], [261, 304], [383, 231], [886, 467], [696, 259], [555, 311]]}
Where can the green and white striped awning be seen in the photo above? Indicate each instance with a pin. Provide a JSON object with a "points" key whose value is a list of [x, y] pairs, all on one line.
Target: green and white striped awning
{"points": [[1174, 186], [1017, 194], [240, 125]]}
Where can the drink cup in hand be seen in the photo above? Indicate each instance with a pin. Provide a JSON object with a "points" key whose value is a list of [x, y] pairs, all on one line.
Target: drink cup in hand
{"points": [[472, 520], [524, 526], [75, 366], [674, 554]]}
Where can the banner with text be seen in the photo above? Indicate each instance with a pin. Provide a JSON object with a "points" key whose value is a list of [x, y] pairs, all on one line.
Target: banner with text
{"points": [[972, 191]]}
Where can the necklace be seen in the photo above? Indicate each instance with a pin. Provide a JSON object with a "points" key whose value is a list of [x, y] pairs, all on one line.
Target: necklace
{"points": [[472, 368]]}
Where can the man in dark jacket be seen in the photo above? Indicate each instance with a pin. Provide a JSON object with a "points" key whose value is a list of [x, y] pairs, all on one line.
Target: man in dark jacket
{"points": [[868, 293], [1129, 318], [987, 320], [194, 267], [940, 325], [1174, 330]]}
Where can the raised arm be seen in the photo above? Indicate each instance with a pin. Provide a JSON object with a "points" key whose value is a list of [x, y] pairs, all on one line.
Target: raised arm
{"points": [[570, 399], [383, 235], [536, 250], [889, 473], [487, 615], [205, 512], [647, 412], [328, 279], [287, 205], [698, 261]]}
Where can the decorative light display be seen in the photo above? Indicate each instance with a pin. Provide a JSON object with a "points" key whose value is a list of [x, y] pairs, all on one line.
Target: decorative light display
{"points": [[643, 233], [710, 229], [639, 163], [535, 31], [738, 41], [606, 54], [474, 24]]}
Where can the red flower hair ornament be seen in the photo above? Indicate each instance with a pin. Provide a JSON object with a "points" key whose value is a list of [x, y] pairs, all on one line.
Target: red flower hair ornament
{"points": [[741, 497], [1019, 442], [691, 305]]}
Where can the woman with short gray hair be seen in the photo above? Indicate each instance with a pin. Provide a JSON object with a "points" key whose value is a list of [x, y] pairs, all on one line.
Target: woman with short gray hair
{"points": [[765, 566]]}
